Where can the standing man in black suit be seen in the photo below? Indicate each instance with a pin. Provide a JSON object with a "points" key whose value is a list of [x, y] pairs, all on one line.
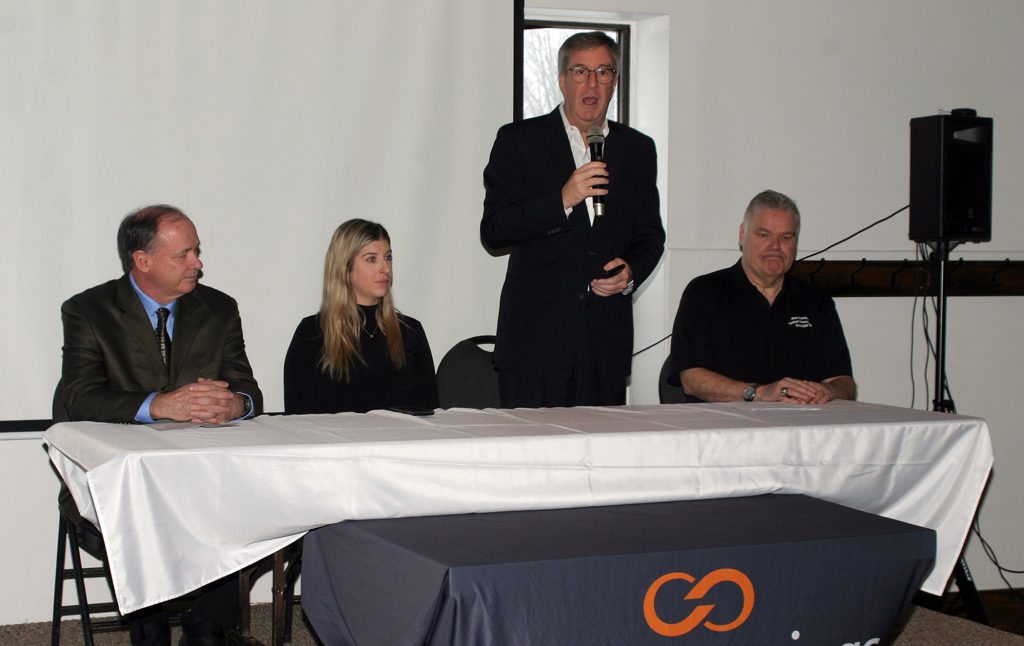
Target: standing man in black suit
{"points": [[565, 328], [156, 345]]}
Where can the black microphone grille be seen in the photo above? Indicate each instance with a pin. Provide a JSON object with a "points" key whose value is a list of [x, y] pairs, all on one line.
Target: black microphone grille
{"points": [[595, 135]]}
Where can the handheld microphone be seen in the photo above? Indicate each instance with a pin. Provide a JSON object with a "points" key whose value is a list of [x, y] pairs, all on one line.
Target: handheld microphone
{"points": [[595, 139]]}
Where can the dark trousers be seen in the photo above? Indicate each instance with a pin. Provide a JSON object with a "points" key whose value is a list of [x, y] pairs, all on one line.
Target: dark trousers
{"points": [[215, 603], [583, 386]]}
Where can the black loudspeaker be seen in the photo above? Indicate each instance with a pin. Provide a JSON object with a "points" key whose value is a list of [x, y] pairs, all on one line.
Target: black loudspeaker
{"points": [[951, 177]]}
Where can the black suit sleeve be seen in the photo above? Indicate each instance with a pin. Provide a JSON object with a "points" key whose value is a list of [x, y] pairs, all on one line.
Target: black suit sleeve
{"points": [[90, 392], [234, 366], [523, 199], [647, 237]]}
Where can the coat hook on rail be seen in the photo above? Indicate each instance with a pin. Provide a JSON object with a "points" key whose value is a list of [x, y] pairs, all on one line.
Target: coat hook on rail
{"points": [[996, 280], [892, 278], [853, 275], [821, 265]]}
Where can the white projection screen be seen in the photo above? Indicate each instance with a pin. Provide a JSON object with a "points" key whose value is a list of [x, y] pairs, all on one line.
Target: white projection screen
{"points": [[269, 122]]}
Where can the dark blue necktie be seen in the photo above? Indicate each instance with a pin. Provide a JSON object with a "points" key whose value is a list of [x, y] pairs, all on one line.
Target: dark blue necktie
{"points": [[162, 338]]}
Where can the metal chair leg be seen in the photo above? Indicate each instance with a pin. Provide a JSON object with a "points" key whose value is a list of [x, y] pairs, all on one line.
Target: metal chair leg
{"points": [[277, 605], [291, 575], [83, 600], [969, 592], [58, 585], [244, 592]]}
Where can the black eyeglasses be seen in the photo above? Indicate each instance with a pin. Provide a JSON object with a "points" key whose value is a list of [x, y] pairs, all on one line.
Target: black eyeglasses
{"points": [[581, 74]]}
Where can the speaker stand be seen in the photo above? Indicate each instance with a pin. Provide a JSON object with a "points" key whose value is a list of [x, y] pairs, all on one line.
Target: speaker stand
{"points": [[972, 605]]}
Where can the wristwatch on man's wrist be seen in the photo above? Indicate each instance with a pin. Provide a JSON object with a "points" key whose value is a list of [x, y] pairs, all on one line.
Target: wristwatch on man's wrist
{"points": [[750, 392], [629, 289]]}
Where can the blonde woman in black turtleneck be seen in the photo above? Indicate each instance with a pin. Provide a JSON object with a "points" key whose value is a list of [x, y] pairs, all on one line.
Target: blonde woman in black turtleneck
{"points": [[358, 353]]}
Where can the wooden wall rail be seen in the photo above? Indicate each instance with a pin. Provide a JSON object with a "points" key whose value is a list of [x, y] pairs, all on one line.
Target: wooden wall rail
{"points": [[912, 277]]}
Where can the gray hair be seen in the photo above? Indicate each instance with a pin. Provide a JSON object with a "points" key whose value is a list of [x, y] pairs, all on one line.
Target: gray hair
{"points": [[587, 40], [138, 231], [769, 199]]}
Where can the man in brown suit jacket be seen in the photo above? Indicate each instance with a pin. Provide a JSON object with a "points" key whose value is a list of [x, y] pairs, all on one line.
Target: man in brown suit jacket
{"points": [[156, 345]]}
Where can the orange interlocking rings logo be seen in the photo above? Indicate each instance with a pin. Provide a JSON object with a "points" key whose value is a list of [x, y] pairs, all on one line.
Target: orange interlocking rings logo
{"points": [[698, 591]]}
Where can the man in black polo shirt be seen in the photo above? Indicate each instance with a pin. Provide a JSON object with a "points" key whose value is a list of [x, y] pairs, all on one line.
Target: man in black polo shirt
{"points": [[751, 333]]}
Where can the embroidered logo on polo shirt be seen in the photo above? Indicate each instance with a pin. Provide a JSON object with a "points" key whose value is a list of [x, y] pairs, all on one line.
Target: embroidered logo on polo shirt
{"points": [[799, 321]]}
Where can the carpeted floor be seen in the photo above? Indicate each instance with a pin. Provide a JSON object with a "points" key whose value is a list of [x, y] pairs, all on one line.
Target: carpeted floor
{"points": [[923, 628]]}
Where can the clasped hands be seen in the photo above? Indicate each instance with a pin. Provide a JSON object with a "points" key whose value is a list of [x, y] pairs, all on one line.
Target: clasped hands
{"points": [[797, 391], [207, 401]]}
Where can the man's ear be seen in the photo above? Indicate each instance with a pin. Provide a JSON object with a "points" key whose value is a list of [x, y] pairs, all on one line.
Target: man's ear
{"points": [[141, 260]]}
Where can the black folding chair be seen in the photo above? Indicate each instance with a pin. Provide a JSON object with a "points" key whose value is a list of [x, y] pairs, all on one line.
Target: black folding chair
{"points": [[466, 377]]}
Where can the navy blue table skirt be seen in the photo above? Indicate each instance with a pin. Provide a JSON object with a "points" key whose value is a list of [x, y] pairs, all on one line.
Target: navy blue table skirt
{"points": [[763, 570]]}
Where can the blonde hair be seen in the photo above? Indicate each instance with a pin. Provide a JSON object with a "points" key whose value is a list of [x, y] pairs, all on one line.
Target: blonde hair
{"points": [[340, 318]]}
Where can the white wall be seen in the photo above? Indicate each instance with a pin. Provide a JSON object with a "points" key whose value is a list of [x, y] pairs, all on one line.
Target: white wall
{"points": [[811, 97], [269, 123], [29, 509]]}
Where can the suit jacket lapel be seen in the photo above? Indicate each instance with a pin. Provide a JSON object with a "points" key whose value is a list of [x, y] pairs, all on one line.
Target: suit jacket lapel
{"points": [[560, 144], [137, 325], [565, 164], [187, 321]]}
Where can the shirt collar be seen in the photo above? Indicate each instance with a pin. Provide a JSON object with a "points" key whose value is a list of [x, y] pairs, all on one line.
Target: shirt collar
{"points": [[575, 138], [150, 305], [740, 281]]}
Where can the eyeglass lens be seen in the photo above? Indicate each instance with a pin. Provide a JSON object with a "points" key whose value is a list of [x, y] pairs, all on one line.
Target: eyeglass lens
{"points": [[581, 74]]}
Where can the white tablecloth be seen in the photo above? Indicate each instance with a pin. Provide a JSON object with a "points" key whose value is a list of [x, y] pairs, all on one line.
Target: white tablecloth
{"points": [[180, 506]]}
